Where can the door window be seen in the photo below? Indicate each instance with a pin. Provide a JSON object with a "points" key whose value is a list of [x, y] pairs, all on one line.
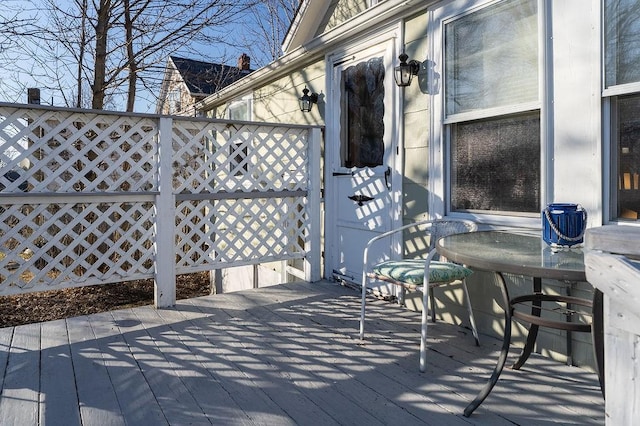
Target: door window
{"points": [[362, 114]]}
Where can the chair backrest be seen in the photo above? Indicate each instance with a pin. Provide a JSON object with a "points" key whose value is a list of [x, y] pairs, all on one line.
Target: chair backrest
{"points": [[445, 227]]}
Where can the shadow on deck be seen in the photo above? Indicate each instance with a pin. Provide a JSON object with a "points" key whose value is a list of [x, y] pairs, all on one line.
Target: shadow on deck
{"points": [[281, 355]]}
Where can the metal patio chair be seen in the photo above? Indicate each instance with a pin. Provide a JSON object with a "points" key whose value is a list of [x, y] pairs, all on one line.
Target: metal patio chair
{"points": [[424, 274]]}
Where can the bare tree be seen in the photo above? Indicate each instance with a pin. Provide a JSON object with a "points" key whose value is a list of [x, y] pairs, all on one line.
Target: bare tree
{"points": [[13, 26], [154, 27], [270, 21], [114, 45], [105, 53], [102, 29]]}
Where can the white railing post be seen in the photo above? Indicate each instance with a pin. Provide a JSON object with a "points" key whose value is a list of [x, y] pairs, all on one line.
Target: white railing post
{"points": [[313, 245], [610, 255], [165, 262]]}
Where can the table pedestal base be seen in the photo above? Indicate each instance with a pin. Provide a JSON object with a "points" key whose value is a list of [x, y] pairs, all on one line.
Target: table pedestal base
{"points": [[535, 319], [506, 341]]}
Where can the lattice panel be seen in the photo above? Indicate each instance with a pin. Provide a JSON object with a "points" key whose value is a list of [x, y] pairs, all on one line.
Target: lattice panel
{"points": [[213, 156], [238, 179], [238, 231], [68, 151], [42, 244]]}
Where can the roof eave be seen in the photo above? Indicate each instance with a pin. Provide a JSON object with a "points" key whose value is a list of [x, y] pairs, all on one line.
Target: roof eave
{"points": [[317, 47], [305, 23]]}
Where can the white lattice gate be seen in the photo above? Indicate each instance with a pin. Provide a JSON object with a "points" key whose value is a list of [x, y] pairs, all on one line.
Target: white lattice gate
{"points": [[92, 198]]}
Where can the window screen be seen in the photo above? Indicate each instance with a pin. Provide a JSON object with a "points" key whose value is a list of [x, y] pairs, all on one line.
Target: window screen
{"points": [[622, 67], [495, 164]]}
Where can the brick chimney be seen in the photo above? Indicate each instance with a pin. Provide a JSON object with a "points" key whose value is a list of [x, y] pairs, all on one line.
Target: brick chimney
{"points": [[244, 62], [33, 95]]}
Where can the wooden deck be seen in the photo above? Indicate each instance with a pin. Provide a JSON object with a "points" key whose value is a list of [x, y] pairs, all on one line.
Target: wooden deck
{"points": [[282, 355]]}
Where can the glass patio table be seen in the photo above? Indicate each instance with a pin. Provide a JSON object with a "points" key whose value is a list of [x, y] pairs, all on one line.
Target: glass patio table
{"points": [[527, 254]]}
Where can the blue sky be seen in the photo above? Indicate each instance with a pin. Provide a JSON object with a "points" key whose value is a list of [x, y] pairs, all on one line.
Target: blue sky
{"points": [[32, 65]]}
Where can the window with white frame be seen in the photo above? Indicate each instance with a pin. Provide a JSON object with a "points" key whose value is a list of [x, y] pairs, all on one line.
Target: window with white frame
{"points": [[174, 100], [492, 109], [241, 111], [622, 96]]}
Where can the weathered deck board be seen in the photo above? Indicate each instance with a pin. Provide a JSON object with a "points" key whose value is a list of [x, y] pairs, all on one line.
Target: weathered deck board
{"points": [[282, 355], [299, 347], [382, 376], [58, 397], [95, 393], [19, 396], [131, 389]]}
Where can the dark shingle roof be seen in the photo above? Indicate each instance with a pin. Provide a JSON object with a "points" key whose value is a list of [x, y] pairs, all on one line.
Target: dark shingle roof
{"points": [[206, 78]]}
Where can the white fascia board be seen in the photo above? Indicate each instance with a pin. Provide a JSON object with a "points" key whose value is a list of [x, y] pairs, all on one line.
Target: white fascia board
{"points": [[374, 17], [305, 23], [166, 80]]}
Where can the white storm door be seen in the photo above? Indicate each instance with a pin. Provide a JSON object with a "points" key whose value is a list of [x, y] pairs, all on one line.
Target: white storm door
{"points": [[361, 178]]}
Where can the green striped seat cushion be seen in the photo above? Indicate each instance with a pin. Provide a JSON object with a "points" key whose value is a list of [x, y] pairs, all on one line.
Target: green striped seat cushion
{"points": [[411, 271]]}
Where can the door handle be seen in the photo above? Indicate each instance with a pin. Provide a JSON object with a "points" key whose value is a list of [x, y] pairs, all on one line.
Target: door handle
{"points": [[342, 173], [359, 198]]}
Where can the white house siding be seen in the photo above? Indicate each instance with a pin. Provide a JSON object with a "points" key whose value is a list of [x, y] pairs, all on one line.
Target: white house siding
{"points": [[575, 158], [278, 100], [275, 102], [573, 143], [416, 124]]}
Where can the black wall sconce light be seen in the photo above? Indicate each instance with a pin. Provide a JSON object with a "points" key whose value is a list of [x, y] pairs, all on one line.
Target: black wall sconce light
{"points": [[405, 71], [307, 100]]}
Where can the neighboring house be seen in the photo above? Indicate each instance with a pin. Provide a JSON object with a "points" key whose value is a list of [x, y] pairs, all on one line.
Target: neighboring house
{"points": [[516, 104], [187, 81]]}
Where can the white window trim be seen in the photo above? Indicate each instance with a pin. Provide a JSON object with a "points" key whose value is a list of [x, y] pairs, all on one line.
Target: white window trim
{"points": [[439, 182], [246, 99], [621, 89], [174, 100], [610, 187]]}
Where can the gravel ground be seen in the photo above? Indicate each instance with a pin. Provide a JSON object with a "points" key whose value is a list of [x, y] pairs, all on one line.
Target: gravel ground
{"points": [[57, 304]]}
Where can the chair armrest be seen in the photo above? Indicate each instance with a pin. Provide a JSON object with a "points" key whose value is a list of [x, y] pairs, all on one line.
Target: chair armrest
{"points": [[372, 241]]}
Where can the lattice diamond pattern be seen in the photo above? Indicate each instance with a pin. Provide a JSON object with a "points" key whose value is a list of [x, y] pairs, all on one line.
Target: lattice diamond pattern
{"points": [[213, 156], [61, 241], [43, 244], [77, 152], [228, 231]]}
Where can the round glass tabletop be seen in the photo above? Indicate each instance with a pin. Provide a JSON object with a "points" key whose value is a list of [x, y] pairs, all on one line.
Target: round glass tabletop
{"points": [[516, 253]]}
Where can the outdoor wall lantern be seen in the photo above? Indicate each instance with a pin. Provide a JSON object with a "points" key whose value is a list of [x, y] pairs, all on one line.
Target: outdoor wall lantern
{"points": [[307, 100], [406, 70]]}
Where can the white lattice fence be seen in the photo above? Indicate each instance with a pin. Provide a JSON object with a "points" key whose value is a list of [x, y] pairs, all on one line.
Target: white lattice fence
{"points": [[240, 193], [90, 198], [77, 198]]}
